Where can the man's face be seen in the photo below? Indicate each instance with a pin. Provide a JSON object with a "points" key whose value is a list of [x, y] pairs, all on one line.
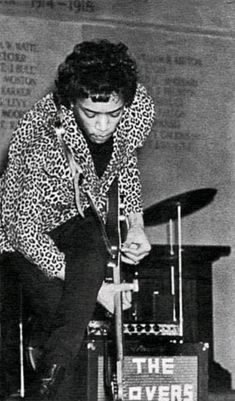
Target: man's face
{"points": [[99, 119]]}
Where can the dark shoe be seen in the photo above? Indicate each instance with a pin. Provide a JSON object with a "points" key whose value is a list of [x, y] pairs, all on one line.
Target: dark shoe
{"points": [[50, 380]]}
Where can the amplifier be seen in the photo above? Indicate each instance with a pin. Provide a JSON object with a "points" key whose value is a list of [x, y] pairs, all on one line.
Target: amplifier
{"points": [[166, 372], [94, 371], [156, 372]]}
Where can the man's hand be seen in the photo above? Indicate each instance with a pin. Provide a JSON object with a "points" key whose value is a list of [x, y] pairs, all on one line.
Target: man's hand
{"points": [[107, 292], [61, 274], [136, 246]]}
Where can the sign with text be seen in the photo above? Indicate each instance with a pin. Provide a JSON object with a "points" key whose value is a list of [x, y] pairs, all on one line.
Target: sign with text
{"points": [[161, 378], [191, 79], [142, 11], [30, 52]]}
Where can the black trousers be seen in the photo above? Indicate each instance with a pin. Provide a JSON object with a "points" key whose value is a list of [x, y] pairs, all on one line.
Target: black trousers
{"points": [[66, 307]]}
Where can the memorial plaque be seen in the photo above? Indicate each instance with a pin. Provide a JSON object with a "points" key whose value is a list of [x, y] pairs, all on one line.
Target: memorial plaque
{"points": [[214, 14], [30, 51], [191, 79]]}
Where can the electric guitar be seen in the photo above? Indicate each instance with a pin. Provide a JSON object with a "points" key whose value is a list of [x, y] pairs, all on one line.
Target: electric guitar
{"points": [[114, 232]]}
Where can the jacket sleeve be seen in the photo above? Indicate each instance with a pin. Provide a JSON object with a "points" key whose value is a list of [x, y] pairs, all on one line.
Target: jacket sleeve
{"points": [[5, 246], [130, 187], [139, 120], [22, 223]]}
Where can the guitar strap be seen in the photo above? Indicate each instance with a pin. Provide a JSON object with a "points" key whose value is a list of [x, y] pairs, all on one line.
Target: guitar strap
{"points": [[100, 224], [113, 213], [112, 222], [109, 231]]}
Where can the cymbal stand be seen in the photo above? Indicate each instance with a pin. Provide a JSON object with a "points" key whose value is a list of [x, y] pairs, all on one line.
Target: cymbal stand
{"points": [[172, 269], [172, 253], [179, 231], [21, 346]]}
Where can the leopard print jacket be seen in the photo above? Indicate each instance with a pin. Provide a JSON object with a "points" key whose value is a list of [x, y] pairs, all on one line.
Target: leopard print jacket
{"points": [[37, 191]]}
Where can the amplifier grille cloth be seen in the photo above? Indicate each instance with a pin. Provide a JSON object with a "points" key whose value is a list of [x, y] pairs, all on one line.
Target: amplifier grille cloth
{"points": [[160, 378]]}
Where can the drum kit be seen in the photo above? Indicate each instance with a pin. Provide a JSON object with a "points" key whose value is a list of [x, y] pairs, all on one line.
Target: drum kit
{"points": [[170, 212]]}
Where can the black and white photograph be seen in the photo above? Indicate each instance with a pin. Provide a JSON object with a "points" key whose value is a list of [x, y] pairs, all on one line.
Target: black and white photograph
{"points": [[117, 199]]}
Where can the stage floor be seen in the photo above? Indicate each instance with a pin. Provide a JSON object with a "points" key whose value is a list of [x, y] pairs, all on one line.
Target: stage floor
{"points": [[226, 396]]}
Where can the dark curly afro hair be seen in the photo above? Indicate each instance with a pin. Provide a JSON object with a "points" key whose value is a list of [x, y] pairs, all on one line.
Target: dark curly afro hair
{"points": [[96, 69]]}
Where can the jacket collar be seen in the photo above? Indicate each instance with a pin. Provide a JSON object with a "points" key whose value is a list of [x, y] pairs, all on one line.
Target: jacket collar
{"points": [[76, 142]]}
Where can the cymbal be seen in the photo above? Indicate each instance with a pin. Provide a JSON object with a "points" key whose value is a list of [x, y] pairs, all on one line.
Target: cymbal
{"points": [[190, 202]]}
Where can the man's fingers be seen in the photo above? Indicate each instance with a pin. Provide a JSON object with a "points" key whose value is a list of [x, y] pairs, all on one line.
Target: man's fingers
{"points": [[139, 252], [130, 245], [136, 257], [132, 259], [127, 297], [129, 249], [128, 260], [117, 287], [124, 287]]}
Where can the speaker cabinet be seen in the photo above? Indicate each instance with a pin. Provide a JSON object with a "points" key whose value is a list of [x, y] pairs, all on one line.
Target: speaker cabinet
{"points": [[152, 371], [166, 372], [94, 371]]}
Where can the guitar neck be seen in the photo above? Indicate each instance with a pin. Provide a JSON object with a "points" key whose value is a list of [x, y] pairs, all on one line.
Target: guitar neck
{"points": [[114, 232], [118, 312]]}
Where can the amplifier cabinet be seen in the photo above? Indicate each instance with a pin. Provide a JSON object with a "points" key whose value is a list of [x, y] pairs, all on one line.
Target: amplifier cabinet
{"points": [[166, 372], [152, 371], [93, 374]]}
